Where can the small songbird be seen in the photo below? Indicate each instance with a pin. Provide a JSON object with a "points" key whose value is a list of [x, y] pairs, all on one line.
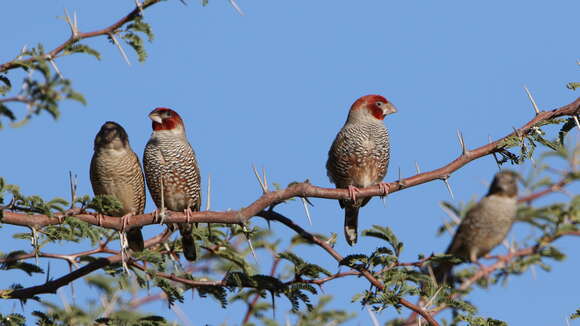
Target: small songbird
{"points": [[485, 225], [170, 165], [116, 171], [359, 156]]}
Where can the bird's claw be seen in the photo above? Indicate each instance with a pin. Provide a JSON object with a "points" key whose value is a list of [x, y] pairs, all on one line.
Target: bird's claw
{"points": [[160, 215], [124, 221], [384, 187], [187, 213], [352, 191]]}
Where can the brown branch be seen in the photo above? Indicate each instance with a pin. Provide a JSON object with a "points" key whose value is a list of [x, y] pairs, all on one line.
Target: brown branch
{"points": [[550, 189], [19, 98], [53, 285], [501, 262], [79, 36], [71, 258], [274, 216], [295, 190]]}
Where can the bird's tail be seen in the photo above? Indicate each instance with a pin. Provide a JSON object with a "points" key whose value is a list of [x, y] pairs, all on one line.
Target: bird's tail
{"points": [[351, 223], [443, 274], [187, 241], [135, 239]]}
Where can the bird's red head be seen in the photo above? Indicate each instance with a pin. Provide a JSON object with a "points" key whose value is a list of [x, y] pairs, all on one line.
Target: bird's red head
{"points": [[378, 106], [165, 119]]}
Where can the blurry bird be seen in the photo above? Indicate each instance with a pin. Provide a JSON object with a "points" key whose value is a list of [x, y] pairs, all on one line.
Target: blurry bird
{"points": [[170, 164], [359, 156], [116, 171], [485, 225]]}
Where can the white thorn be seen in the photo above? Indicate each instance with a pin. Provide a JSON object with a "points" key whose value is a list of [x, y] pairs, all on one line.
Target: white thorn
{"points": [[247, 235], [374, 320], [114, 38], [139, 6], [445, 180], [208, 201], [265, 180], [24, 48], [430, 301], [50, 59], [236, 7], [577, 122], [259, 179], [306, 210], [71, 23], [532, 100], [461, 142], [417, 167]]}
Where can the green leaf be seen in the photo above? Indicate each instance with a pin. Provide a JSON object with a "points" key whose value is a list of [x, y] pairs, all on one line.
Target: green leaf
{"points": [[81, 48], [385, 233]]}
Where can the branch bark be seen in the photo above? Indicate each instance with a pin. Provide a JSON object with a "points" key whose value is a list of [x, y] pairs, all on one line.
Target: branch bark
{"points": [[301, 189], [80, 36], [53, 285]]}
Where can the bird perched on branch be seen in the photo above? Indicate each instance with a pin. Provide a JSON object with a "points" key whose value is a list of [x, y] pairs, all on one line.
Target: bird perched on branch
{"points": [[116, 171], [172, 172], [359, 156], [485, 225]]}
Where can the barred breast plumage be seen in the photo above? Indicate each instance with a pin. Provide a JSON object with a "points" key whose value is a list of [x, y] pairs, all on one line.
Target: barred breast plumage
{"points": [[359, 156], [169, 158]]}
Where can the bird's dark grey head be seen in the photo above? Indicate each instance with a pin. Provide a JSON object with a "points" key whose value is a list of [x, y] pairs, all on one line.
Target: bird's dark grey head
{"points": [[505, 184], [111, 135]]}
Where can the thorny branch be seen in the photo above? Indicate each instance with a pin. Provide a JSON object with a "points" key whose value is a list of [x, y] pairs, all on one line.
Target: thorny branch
{"points": [[501, 262], [53, 285], [271, 215], [258, 208], [77, 36], [302, 189]]}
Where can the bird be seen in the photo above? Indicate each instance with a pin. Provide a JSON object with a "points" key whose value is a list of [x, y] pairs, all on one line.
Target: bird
{"points": [[116, 171], [359, 156], [172, 172], [485, 225]]}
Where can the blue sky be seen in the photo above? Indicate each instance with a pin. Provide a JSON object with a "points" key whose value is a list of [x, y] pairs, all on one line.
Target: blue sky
{"points": [[273, 87]]}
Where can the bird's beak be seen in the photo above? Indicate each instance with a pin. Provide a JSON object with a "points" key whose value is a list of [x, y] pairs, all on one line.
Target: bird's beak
{"points": [[389, 109], [155, 117]]}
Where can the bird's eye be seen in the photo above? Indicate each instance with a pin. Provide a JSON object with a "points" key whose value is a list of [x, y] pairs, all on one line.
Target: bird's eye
{"points": [[379, 103]]}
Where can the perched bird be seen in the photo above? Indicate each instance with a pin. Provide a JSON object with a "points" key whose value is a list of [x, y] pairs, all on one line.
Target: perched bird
{"points": [[485, 225], [359, 155], [116, 171], [171, 167]]}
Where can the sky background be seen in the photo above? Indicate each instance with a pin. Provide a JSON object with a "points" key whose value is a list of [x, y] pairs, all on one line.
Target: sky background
{"points": [[273, 87]]}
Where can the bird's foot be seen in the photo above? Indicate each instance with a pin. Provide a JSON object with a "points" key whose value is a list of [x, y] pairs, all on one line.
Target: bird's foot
{"points": [[100, 219], [352, 191], [484, 269], [187, 213], [384, 187], [125, 219], [159, 215]]}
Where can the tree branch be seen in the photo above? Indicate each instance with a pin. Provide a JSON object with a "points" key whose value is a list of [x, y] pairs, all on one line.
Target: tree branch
{"points": [[53, 285], [75, 37], [302, 189], [274, 216]]}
